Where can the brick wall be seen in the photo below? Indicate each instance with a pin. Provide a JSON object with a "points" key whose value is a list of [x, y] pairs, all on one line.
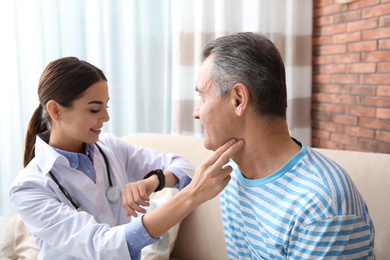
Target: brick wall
{"points": [[351, 75]]}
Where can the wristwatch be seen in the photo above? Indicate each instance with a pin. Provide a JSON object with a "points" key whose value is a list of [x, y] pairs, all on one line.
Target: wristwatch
{"points": [[161, 178]]}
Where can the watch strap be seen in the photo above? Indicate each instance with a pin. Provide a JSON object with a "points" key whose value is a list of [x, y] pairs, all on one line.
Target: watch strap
{"points": [[161, 178]]}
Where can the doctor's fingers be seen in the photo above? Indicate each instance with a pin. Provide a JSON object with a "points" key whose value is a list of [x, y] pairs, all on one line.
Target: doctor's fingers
{"points": [[222, 155], [132, 208], [137, 191], [132, 202]]}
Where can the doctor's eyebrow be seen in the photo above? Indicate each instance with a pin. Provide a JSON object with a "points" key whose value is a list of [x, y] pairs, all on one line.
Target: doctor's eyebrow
{"points": [[97, 102]]}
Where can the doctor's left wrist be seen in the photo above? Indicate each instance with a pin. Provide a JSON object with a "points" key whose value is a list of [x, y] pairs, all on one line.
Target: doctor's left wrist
{"points": [[158, 175]]}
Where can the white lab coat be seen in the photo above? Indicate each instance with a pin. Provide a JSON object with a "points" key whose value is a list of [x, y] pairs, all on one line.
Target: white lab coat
{"points": [[97, 232]]}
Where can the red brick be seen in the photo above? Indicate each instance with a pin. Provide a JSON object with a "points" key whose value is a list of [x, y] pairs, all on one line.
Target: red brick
{"points": [[344, 139], [326, 144], [345, 79], [383, 136], [362, 25], [375, 79], [359, 132], [332, 69], [378, 124], [321, 3], [384, 44], [362, 46], [333, 29], [345, 99], [321, 115], [378, 33], [345, 119], [376, 101], [346, 58], [354, 148], [323, 20], [383, 91], [376, 56], [347, 37], [347, 16], [327, 88], [383, 113], [360, 111], [329, 9], [321, 78], [331, 49], [362, 3], [321, 134], [321, 97], [384, 21], [377, 10], [322, 40], [328, 126], [375, 146], [322, 59], [384, 67], [358, 89], [361, 68], [334, 108]]}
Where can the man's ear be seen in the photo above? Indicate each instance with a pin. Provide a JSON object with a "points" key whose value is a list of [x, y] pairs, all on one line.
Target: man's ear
{"points": [[53, 108], [239, 97]]}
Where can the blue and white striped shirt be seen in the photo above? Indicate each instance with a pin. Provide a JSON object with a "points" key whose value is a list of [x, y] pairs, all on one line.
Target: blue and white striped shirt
{"points": [[308, 209]]}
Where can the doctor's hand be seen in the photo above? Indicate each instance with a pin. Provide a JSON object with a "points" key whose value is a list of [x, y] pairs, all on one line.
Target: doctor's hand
{"points": [[135, 195], [211, 177]]}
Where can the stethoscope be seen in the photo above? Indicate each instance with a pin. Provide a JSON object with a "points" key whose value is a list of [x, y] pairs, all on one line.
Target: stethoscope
{"points": [[113, 193]]}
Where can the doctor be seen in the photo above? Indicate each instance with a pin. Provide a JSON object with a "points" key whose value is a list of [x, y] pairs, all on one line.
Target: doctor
{"points": [[79, 186]]}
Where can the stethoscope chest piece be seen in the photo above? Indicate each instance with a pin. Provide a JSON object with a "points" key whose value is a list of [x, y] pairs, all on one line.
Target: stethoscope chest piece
{"points": [[113, 194]]}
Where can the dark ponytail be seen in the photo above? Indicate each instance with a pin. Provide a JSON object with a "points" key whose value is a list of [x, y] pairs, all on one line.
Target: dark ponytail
{"points": [[35, 127], [63, 80]]}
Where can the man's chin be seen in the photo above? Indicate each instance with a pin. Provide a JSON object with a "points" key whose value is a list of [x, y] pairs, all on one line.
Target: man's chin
{"points": [[209, 146]]}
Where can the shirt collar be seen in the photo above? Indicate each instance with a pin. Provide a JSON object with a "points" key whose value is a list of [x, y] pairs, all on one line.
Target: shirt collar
{"points": [[46, 155], [74, 158]]}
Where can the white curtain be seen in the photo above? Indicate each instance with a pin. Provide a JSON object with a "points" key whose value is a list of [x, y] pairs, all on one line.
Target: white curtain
{"points": [[129, 40], [150, 52], [288, 23]]}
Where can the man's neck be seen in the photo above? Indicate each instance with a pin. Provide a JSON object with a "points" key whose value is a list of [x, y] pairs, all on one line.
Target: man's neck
{"points": [[265, 152]]}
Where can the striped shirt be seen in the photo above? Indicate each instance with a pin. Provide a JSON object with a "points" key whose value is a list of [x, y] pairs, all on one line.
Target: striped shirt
{"points": [[308, 209]]}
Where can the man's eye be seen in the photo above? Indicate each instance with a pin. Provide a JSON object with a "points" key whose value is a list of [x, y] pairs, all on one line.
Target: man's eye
{"points": [[94, 111]]}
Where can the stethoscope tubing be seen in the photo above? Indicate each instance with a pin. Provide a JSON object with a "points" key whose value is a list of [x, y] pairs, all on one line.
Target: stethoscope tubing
{"points": [[66, 193]]}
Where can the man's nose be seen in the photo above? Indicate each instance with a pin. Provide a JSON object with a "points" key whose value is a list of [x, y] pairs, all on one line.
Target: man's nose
{"points": [[195, 114]]}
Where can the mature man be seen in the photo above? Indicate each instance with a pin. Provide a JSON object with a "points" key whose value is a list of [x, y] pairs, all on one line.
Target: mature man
{"points": [[284, 199]]}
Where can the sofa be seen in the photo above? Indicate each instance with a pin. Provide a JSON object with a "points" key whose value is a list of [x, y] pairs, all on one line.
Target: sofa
{"points": [[200, 234]]}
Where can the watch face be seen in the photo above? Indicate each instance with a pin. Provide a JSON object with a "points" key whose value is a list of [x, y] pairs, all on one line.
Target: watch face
{"points": [[113, 194]]}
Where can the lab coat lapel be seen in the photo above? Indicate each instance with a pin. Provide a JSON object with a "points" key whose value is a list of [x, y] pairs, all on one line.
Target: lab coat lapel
{"points": [[90, 196]]}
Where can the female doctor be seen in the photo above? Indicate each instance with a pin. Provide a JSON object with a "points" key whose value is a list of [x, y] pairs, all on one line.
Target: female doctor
{"points": [[79, 186]]}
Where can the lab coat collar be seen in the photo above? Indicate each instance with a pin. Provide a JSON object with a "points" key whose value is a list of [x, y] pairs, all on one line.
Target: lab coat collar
{"points": [[46, 156]]}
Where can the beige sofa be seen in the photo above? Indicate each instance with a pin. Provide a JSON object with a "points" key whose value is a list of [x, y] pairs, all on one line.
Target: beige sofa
{"points": [[201, 236]]}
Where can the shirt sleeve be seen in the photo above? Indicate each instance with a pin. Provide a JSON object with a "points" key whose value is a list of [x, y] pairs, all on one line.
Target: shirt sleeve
{"points": [[137, 238], [183, 178], [139, 160]]}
